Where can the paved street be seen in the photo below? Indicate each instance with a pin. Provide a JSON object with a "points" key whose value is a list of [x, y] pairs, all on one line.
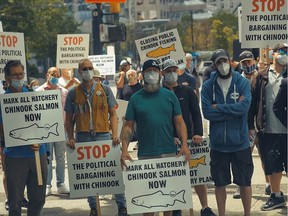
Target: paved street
{"points": [[62, 205]]}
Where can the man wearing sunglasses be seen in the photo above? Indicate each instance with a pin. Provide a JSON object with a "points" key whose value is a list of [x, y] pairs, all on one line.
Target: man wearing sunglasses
{"points": [[272, 133], [82, 108]]}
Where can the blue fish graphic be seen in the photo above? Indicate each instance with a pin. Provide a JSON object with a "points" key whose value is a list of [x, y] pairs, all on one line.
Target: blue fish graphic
{"points": [[34, 132], [159, 199]]}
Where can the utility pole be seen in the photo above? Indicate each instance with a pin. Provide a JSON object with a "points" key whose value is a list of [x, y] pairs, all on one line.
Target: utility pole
{"points": [[192, 32], [96, 21]]}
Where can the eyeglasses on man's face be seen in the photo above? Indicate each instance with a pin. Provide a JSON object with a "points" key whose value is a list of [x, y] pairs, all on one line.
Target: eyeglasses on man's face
{"points": [[17, 75], [87, 68]]}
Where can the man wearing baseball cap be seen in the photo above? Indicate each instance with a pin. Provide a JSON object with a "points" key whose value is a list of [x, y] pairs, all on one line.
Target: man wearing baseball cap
{"points": [[154, 108], [272, 133], [193, 121], [226, 99]]}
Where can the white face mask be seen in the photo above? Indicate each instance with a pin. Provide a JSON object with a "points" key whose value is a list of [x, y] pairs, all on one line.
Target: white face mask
{"points": [[151, 77], [17, 83], [87, 75], [282, 59], [224, 68], [35, 87], [171, 77]]}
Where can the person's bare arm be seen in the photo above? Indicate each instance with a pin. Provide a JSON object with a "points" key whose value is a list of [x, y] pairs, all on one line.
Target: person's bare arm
{"points": [[182, 134], [69, 126], [126, 136], [114, 126]]}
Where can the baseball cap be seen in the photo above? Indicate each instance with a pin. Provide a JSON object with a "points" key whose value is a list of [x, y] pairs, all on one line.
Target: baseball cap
{"points": [[150, 63], [218, 54], [125, 62], [246, 55], [280, 46], [169, 63], [97, 74]]}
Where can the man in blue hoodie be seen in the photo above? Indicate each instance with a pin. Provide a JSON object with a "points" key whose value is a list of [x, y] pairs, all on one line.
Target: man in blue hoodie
{"points": [[226, 100]]}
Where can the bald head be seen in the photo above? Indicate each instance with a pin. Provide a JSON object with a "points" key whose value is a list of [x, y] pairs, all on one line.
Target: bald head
{"points": [[131, 76]]}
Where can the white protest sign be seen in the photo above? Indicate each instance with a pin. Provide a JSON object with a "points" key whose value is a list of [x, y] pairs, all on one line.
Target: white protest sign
{"points": [[1, 27], [104, 63], [94, 169], [121, 111], [159, 47], [71, 48], [264, 23], [157, 185], [12, 48], [32, 118], [199, 163]]}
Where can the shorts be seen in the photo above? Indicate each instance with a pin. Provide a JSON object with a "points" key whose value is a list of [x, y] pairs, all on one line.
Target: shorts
{"points": [[273, 150], [239, 162]]}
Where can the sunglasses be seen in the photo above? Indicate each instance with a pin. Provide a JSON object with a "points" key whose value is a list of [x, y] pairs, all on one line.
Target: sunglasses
{"points": [[283, 51], [87, 68]]}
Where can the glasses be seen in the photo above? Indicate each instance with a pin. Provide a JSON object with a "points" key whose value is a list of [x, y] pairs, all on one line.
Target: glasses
{"points": [[283, 51], [87, 68], [17, 75]]}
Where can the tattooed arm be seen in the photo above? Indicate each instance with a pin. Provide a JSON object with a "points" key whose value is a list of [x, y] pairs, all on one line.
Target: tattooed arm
{"points": [[126, 136]]}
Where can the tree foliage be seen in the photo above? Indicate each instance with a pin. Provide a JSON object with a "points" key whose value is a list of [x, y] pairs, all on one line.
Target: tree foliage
{"points": [[217, 32], [40, 21]]}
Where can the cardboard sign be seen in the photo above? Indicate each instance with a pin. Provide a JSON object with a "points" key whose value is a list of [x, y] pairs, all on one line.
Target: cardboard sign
{"points": [[264, 23], [104, 63], [199, 163], [159, 47], [32, 117], [71, 48], [157, 185], [121, 111], [94, 169], [12, 48]]}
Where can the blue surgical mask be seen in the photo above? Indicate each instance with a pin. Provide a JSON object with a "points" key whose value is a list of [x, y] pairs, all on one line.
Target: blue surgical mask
{"points": [[270, 54], [16, 83], [87, 75], [171, 77], [53, 81]]}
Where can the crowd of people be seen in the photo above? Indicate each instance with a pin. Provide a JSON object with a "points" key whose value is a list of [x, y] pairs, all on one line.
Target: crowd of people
{"points": [[244, 108]]}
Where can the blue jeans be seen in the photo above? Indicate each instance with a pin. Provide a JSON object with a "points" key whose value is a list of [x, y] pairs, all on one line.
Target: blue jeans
{"points": [[59, 150], [89, 137]]}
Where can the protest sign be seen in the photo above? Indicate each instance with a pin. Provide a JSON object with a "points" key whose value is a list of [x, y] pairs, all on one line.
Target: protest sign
{"points": [[94, 169], [162, 46], [12, 48], [157, 185], [121, 111], [71, 48], [32, 118], [105, 64], [264, 23], [199, 163]]}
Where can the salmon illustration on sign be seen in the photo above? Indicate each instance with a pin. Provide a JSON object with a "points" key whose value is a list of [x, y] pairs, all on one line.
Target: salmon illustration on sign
{"points": [[159, 199], [160, 51], [193, 163], [39, 133]]}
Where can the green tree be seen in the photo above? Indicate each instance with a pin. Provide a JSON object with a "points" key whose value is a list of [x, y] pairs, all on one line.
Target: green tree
{"points": [[217, 32], [40, 21]]}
